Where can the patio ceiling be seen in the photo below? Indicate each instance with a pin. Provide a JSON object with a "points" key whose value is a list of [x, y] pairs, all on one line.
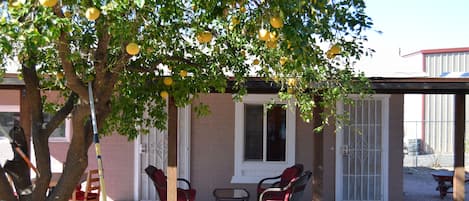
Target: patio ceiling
{"points": [[418, 85]]}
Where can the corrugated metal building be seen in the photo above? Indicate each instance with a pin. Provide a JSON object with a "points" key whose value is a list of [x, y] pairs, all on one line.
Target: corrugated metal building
{"points": [[435, 129]]}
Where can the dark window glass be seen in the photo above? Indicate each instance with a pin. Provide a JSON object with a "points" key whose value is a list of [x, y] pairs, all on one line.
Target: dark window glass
{"points": [[276, 134], [253, 129], [59, 131], [7, 120]]}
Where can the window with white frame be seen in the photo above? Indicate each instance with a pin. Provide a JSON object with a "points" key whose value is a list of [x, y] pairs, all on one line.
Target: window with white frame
{"points": [[61, 133], [8, 115], [264, 138]]}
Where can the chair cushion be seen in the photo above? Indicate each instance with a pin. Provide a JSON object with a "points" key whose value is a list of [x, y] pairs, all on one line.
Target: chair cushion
{"points": [[159, 178], [288, 174], [80, 195], [276, 196]]}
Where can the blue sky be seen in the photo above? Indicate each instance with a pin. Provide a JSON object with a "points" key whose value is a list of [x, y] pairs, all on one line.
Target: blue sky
{"points": [[412, 25]]}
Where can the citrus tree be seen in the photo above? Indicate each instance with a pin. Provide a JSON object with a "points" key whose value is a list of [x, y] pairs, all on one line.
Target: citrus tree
{"points": [[137, 54]]}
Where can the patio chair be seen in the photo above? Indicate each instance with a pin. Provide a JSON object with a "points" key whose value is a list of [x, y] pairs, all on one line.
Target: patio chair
{"points": [[92, 188], [281, 180], [159, 180], [293, 191]]}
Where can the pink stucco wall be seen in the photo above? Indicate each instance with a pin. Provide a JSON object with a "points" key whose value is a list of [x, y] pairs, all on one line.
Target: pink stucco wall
{"points": [[212, 152], [212, 148]]}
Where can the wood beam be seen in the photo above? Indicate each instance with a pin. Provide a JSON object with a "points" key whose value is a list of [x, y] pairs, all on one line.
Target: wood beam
{"points": [[318, 159], [459, 121], [172, 151], [25, 118]]}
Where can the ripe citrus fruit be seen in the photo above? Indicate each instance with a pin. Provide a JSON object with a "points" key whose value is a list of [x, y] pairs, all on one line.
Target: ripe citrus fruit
{"points": [[234, 21], [132, 49], [67, 14], [183, 73], [333, 51], [60, 75], [48, 3], [243, 53], [204, 37], [242, 9], [283, 60], [291, 82], [271, 44], [276, 22], [273, 36], [168, 81], [256, 62], [92, 13], [264, 35], [164, 94]]}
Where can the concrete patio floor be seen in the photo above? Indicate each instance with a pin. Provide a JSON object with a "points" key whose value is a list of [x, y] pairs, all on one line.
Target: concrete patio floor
{"points": [[419, 185]]}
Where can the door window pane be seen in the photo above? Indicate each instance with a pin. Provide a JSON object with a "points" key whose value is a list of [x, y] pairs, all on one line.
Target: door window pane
{"points": [[253, 129], [276, 136]]}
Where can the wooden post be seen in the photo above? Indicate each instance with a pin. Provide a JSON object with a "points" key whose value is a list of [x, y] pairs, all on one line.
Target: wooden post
{"points": [[459, 121], [25, 117], [318, 162], [172, 151]]}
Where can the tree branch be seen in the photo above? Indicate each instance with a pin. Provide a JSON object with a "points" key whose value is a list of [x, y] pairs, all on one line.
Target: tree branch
{"points": [[73, 82], [100, 54], [61, 114], [153, 66]]}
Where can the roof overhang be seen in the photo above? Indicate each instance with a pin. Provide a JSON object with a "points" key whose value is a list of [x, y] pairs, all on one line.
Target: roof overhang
{"points": [[418, 85]]}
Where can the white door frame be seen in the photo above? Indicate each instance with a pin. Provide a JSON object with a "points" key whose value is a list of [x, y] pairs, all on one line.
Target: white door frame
{"points": [[184, 139], [384, 152]]}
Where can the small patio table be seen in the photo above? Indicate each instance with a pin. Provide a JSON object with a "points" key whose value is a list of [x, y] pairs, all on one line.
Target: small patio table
{"points": [[444, 178], [231, 194]]}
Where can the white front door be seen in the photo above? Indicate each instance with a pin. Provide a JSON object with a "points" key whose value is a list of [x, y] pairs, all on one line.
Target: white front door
{"points": [[152, 149], [362, 151]]}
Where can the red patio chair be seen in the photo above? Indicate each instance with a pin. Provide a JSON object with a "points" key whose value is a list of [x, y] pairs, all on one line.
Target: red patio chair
{"points": [[92, 189], [293, 191], [159, 180], [281, 180]]}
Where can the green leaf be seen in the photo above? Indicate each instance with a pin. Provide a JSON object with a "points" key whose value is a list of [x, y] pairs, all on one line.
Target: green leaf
{"points": [[140, 3]]}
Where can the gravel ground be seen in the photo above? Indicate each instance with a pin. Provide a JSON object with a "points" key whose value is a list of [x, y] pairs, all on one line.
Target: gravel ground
{"points": [[420, 186]]}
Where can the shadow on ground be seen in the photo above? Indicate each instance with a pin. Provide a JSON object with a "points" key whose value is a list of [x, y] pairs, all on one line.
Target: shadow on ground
{"points": [[419, 185]]}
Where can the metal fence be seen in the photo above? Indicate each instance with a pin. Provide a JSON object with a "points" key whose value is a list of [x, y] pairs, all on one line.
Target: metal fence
{"points": [[430, 143]]}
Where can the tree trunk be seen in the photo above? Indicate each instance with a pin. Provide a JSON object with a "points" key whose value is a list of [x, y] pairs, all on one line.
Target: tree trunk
{"points": [[6, 190]]}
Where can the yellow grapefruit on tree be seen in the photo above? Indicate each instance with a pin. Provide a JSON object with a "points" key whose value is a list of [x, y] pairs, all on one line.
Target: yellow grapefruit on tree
{"points": [[264, 35], [333, 51], [92, 13], [164, 94], [283, 60], [242, 9], [276, 22], [183, 73], [204, 37], [291, 82], [271, 44], [48, 3], [168, 81], [256, 62], [132, 49]]}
